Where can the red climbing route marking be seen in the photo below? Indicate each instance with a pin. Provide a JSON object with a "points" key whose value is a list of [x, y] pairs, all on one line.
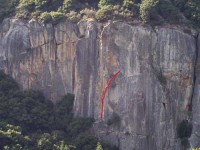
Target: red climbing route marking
{"points": [[104, 93]]}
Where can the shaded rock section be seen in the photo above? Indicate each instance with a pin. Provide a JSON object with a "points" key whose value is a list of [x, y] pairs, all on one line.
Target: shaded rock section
{"points": [[195, 138], [87, 69]]}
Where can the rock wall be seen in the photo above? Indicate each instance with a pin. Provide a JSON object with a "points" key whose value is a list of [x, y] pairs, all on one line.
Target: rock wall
{"points": [[40, 56], [195, 138], [157, 88]]}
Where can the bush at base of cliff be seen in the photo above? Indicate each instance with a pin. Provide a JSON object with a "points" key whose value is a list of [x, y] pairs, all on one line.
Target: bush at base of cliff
{"points": [[11, 137], [63, 112], [86, 142], [29, 121], [28, 109], [7, 85], [99, 147], [79, 125], [48, 142]]}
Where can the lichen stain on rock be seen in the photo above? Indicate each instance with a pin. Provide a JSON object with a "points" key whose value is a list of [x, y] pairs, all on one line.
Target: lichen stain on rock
{"points": [[112, 59], [186, 81]]}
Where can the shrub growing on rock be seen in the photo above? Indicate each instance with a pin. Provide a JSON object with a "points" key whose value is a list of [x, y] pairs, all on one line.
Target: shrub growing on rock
{"points": [[148, 9], [45, 17], [57, 17], [63, 112], [104, 13], [73, 16], [25, 8]]}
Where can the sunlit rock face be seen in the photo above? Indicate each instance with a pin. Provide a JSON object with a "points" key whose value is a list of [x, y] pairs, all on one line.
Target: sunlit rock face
{"points": [[41, 56], [154, 91]]}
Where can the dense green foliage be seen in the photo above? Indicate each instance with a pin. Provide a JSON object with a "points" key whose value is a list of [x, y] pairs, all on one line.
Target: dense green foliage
{"points": [[148, 11], [51, 17], [29, 121], [7, 8]]}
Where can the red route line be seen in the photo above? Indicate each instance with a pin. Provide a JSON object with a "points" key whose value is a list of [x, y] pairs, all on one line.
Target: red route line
{"points": [[104, 93]]}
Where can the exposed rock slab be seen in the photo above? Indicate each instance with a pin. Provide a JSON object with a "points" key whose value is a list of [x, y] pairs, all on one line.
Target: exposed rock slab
{"points": [[195, 138], [151, 95], [87, 67], [41, 56]]}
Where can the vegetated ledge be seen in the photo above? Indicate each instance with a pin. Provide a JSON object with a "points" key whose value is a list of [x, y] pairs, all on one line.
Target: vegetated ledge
{"points": [[186, 27], [156, 12]]}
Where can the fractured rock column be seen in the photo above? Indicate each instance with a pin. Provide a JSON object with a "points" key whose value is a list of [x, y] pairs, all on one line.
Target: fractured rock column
{"points": [[40, 56], [195, 138], [173, 67], [129, 95], [152, 94], [86, 72]]}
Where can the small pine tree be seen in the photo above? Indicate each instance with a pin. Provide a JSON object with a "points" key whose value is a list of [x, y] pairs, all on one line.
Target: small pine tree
{"points": [[99, 147]]}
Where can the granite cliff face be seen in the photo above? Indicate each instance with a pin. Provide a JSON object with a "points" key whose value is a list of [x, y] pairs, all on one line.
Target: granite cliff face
{"points": [[157, 89]]}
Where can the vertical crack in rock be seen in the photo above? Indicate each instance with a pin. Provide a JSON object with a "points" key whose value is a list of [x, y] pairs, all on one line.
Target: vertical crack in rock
{"points": [[56, 47], [195, 68], [151, 63], [86, 70], [73, 74], [31, 51], [195, 100]]}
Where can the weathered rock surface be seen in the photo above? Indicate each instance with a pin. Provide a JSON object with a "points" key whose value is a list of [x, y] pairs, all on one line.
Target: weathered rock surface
{"points": [[195, 138], [87, 67], [41, 57], [152, 94]]}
